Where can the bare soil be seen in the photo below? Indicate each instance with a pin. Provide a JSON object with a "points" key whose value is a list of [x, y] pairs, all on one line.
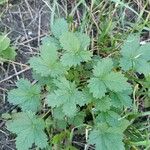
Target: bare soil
{"points": [[26, 22]]}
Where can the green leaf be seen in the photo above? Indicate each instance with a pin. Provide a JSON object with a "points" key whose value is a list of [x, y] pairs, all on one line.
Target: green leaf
{"points": [[58, 113], [84, 40], [70, 42], [67, 96], [8, 53], [60, 124], [103, 104], [3, 1], [74, 59], [27, 96], [109, 117], [58, 138], [134, 56], [46, 82], [48, 63], [59, 27], [116, 82], [48, 40], [77, 120], [121, 99], [105, 79], [97, 88], [76, 49], [70, 147], [4, 42], [106, 138], [29, 129]]}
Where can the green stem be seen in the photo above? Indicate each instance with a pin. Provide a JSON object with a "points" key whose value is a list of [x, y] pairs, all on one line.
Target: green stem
{"points": [[141, 143]]}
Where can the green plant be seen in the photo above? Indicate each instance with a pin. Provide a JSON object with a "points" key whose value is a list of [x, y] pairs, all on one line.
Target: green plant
{"points": [[6, 51], [3, 1], [77, 91]]}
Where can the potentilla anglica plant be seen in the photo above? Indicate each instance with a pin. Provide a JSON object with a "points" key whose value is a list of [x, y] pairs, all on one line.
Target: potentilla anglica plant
{"points": [[76, 90]]}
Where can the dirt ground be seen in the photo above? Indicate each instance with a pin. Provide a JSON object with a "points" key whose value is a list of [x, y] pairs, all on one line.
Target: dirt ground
{"points": [[26, 22]]}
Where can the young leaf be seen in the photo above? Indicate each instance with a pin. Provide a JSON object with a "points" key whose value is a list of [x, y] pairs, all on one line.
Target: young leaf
{"points": [[106, 138], [120, 99], [70, 42], [58, 138], [58, 113], [60, 124], [105, 79], [59, 27], [46, 82], [77, 120], [3, 1], [109, 117], [27, 96], [76, 50], [67, 96], [4, 42], [8, 53], [29, 130], [103, 104], [48, 40], [48, 63], [134, 56], [84, 40]]}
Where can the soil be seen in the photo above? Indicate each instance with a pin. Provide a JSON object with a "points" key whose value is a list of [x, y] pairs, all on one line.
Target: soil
{"points": [[26, 21]]}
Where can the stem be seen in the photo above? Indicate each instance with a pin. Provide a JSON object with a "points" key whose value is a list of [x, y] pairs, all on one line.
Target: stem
{"points": [[141, 143]]}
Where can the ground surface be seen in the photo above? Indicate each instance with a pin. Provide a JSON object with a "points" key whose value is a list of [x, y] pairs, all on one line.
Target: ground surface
{"points": [[25, 22]]}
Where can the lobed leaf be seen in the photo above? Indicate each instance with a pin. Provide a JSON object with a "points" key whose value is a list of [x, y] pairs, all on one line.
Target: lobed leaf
{"points": [[27, 96], [66, 96], [76, 49], [106, 138], [48, 63], [4, 42], [59, 27], [134, 56], [104, 79], [29, 129]]}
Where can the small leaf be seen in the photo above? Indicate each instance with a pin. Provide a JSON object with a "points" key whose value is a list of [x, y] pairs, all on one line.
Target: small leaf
{"points": [[46, 82], [66, 96], [59, 27], [134, 56], [29, 129], [105, 79], [4, 42], [58, 138], [109, 117], [48, 40], [27, 96], [70, 42], [103, 104], [70, 59], [58, 113], [106, 138], [121, 99], [48, 63], [8, 53], [77, 120], [75, 48]]}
